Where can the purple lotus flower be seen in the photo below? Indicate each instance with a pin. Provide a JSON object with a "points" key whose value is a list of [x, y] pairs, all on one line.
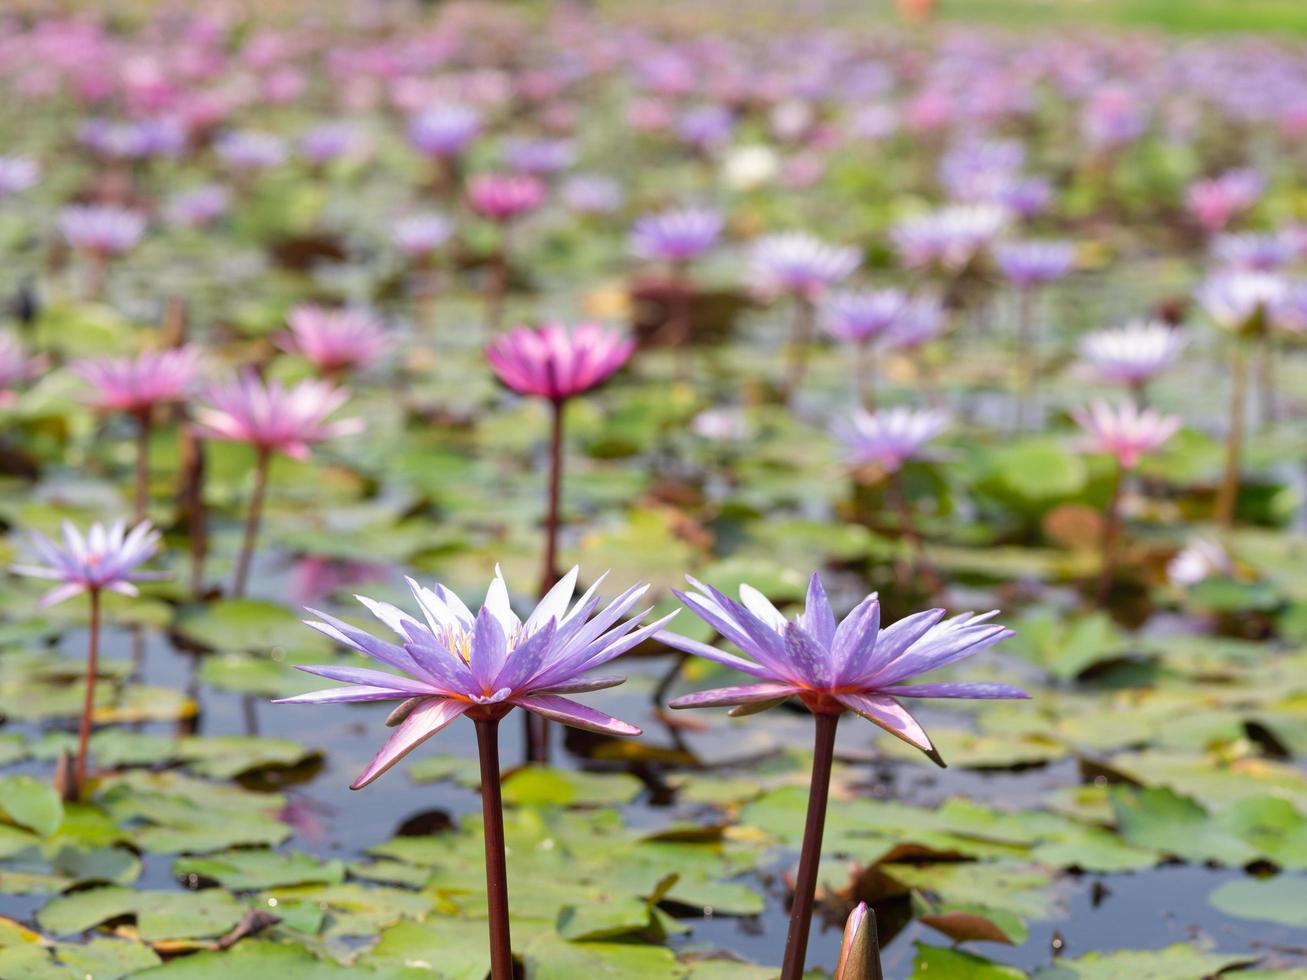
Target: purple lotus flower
{"points": [[888, 438], [591, 194], [329, 141], [17, 367], [451, 662], [949, 238], [334, 340], [199, 206], [1113, 117], [273, 418], [556, 363], [1253, 253], [503, 197], [1125, 432], [444, 131], [1133, 354], [418, 235], [1216, 202], [539, 156], [921, 322], [1241, 301], [832, 668], [676, 236], [706, 127], [800, 264], [103, 230], [137, 384], [17, 174], [1032, 263], [249, 150], [863, 316], [102, 559]]}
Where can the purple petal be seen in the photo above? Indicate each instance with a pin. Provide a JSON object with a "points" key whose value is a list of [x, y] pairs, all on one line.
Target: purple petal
{"points": [[342, 695], [489, 648], [360, 640], [585, 684], [892, 642], [59, 593], [372, 678], [856, 639], [524, 662], [940, 651], [688, 645], [743, 694], [811, 661], [891, 716], [983, 690], [420, 725], [818, 618], [574, 713]]}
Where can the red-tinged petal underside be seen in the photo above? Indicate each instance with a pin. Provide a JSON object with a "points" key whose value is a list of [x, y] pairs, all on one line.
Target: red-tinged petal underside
{"points": [[743, 694], [882, 710], [573, 713], [425, 720]]}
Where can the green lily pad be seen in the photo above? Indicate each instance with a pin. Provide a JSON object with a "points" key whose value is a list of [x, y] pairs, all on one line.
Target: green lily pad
{"points": [[1282, 899], [159, 914], [31, 803], [1179, 962], [254, 869]]}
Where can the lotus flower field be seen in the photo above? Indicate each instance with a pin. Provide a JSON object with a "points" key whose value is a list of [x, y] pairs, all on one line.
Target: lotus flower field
{"points": [[716, 492]]}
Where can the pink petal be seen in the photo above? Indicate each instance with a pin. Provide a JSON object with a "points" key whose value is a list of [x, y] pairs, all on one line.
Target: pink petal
{"points": [[425, 721], [884, 711], [574, 713], [743, 694]]}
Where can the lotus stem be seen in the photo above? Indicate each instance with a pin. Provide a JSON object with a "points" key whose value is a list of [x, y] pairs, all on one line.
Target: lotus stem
{"points": [[865, 374], [1228, 493], [492, 817], [536, 729], [497, 284], [1111, 531], [1270, 410], [679, 319], [908, 528], [805, 884], [88, 702], [141, 492], [1027, 357], [252, 518], [800, 341]]}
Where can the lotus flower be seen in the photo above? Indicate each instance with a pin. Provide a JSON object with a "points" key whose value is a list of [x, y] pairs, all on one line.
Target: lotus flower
{"points": [[334, 340], [676, 236], [1133, 354], [103, 559], [137, 384], [1125, 432], [273, 418], [452, 662], [888, 438], [556, 363]]}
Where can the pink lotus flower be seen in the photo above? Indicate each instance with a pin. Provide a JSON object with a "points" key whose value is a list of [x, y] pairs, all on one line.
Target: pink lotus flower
{"points": [[334, 340], [1125, 432], [137, 384], [555, 363], [272, 418], [503, 197], [1214, 203], [890, 437]]}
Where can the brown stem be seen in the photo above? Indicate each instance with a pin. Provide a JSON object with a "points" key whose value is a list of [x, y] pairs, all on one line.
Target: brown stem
{"points": [[535, 728], [1139, 390], [190, 504], [805, 883], [865, 370], [680, 325], [141, 494], [549, 569], [1228, 493], [492, 818], [1111, 529], [908, 528], [88, 702], [1270, 412], [252, 517], [497, 283], [1027, 357], [800, 341]]}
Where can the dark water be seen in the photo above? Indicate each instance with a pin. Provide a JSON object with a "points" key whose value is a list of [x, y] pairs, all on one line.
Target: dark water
{"points": [[1140, 910]]}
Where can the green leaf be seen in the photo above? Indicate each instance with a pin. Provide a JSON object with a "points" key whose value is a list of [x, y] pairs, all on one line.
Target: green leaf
{"points": [[543, 786], [1172, 824], [1282, 899], [31, 803], [454, 947], [250, 870], [252, 959], [159, 914], [1179, 962], [938, 963]]}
